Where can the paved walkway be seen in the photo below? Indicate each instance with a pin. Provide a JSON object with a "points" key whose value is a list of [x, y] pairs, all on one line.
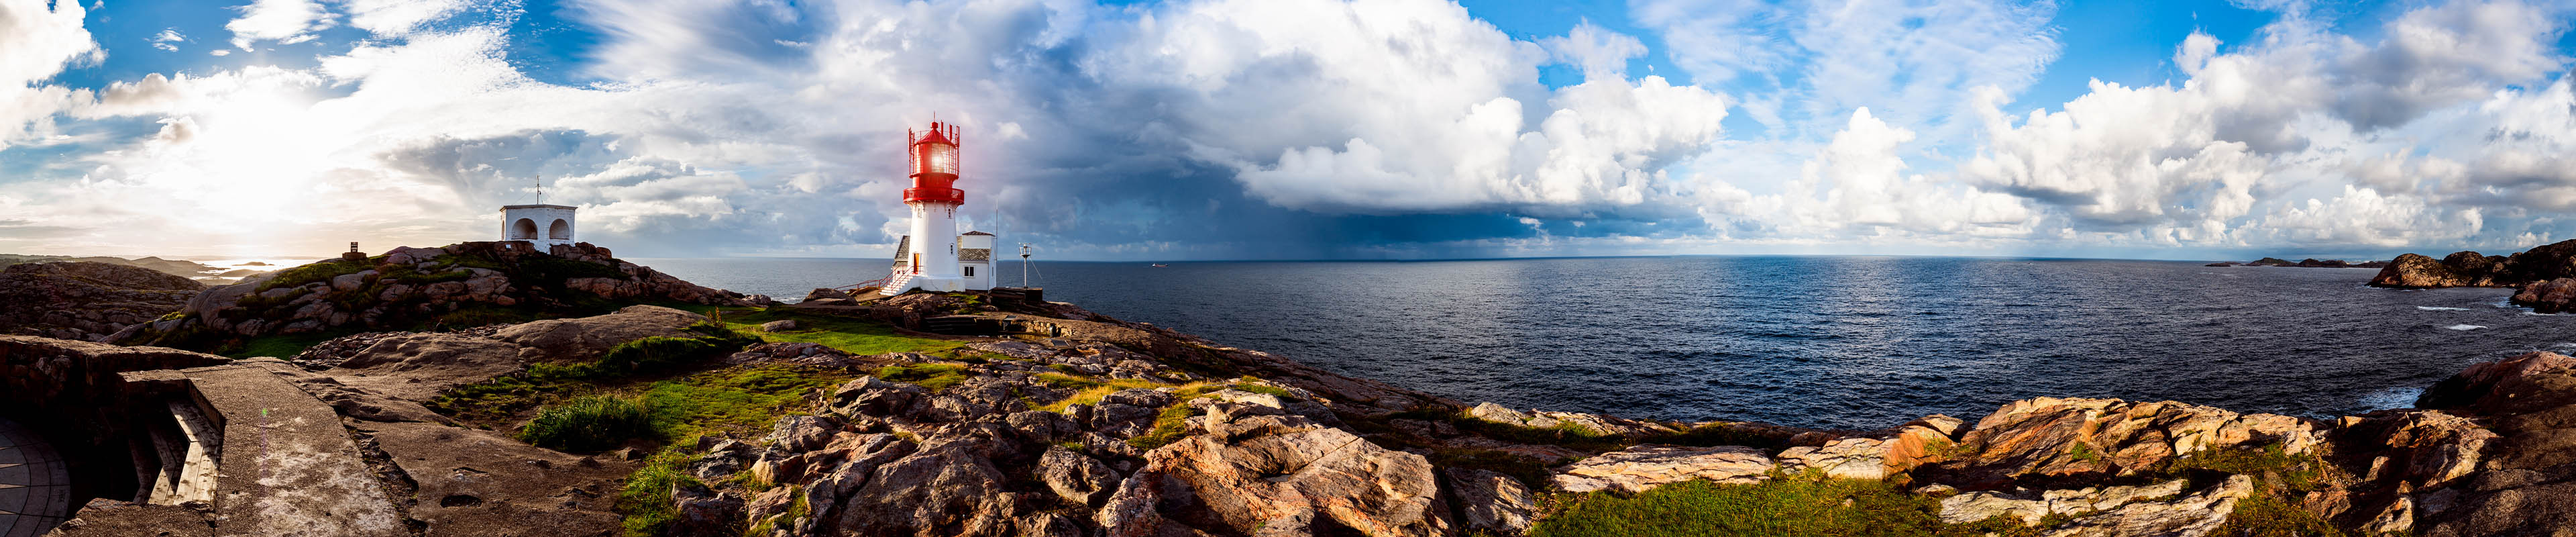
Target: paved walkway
{"points": [[35, 488]]}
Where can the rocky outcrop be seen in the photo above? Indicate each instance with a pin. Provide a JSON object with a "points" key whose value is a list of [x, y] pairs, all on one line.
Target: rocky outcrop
{"points": [[2471, 269], [86, 301], [1259, 470], [2158, 509], [2072, 437], [462, 284], [2553, 296]]}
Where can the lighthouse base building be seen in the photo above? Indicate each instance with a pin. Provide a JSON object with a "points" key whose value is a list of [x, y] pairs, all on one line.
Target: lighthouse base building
{"points": [[973, 252]]}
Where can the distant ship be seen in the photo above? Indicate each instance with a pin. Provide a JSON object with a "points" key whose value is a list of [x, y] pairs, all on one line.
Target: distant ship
{"points": [[1160, 265]]}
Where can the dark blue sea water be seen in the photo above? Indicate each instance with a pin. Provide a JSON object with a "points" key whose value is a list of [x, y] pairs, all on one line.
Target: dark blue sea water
{"points": [[1859, 342]]}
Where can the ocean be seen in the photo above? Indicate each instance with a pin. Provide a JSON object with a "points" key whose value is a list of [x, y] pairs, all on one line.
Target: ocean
{"points": [[1848, 342]]}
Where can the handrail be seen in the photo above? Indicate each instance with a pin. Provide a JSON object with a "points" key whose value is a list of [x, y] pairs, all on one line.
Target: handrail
{"points": [[865, 284]]}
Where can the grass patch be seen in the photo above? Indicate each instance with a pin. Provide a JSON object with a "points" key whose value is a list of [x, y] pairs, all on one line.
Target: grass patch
{"points": [[2279, 479], [740, 401], [1168, 426], [1089, 391], [498, 401], [854, 336], [307, 274], [646, 499], [2267, 515], [280, 346], [2083, 452], [1775, 507], [589, 423]]}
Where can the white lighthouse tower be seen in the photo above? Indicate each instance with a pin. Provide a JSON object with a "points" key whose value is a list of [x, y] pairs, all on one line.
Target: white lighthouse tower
{"points": [[931, 258]]}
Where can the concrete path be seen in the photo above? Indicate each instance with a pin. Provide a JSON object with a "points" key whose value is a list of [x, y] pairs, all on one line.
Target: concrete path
{"points": [[35, 487], [288, 466]]}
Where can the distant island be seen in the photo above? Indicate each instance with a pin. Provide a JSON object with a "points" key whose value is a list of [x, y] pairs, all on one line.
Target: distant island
{"points": [[2306, 263]]}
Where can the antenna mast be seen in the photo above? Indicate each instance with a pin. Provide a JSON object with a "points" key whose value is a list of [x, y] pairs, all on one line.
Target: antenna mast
{"points": [[1024, 264], [540, 182]]}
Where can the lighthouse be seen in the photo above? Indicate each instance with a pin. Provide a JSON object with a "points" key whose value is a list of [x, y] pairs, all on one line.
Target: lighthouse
{"points": [[934, 257]]}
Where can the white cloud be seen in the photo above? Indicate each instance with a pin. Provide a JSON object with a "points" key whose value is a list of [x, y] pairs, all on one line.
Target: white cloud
{"points": [[36, 42], [168, 40], [714, 126], [283, 21]]}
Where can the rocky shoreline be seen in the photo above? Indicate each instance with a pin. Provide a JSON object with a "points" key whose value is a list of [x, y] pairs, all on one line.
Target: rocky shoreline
{"points": [[843, 416]]}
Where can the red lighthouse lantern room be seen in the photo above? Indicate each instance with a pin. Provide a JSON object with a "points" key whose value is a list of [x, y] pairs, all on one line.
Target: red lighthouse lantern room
{"points": [[934, 166]]}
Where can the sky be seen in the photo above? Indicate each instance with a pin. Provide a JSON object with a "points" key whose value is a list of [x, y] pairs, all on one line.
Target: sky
{"points": [[1297, 129]]}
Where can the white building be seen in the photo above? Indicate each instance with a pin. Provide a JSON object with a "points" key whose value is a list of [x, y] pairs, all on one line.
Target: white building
{"points": [[974, 258], [539, 225], [934, 257]]}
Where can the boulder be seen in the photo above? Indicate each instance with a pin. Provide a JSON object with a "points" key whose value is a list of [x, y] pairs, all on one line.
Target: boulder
{"points": [[2552, 296], [2416, 271], [587, 338], [1490, 502], [1647, 466], [874, 397], [1276, 475], [778, 326], [1077, 478], [946, 488]]}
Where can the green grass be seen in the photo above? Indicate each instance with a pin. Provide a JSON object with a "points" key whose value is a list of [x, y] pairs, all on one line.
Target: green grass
{"points": [[590, 423], [741, 401], [1168, 426], [2268, 515], [313, 272], [646, 499], [497, 401], [1089, 391], [2280, 479], [854, 336], [2083, 452], [1781, 507], [933, 377]]}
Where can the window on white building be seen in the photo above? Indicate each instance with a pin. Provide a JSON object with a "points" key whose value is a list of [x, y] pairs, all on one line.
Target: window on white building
{"points": [[970, 271]]}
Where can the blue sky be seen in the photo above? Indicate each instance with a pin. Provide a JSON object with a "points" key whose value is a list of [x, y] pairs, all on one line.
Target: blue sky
{"points": [[1298, 129]]}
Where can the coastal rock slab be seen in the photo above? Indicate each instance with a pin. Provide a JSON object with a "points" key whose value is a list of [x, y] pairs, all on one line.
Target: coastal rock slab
{"points": [[1277, 475], [2196, 515], [1647, 466], [588, 337], [1848, 458], [2051, 436]]}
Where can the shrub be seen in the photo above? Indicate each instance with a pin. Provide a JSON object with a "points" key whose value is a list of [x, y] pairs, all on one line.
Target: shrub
{"points": [[660, 352], [588, 423]]}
